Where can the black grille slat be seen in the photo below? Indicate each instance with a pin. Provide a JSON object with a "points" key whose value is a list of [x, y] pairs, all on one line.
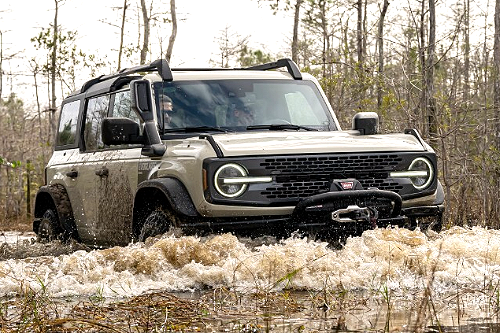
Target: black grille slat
{"points": [[360, 163], [301, 177]]}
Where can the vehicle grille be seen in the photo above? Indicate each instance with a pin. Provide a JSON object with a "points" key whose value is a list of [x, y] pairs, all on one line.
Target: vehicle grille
{"points": [[300, 177]]}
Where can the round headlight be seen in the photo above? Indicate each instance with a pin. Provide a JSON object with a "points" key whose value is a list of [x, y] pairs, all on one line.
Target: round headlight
{"points": [[422, 173], [226, 180]]}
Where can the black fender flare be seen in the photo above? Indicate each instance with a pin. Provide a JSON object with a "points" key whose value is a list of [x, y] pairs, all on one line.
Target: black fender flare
{"points": [[56, 197], [175, 192], [172, 189]]}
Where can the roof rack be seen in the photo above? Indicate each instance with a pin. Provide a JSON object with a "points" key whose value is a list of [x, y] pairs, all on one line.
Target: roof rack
{"points": [[160, 65], [285, 62], [165, 72]]}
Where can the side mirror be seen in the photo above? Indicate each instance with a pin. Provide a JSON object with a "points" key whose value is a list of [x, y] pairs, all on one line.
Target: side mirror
{"points": [[117, 131], [142, 104], [366, 123], [141, 99]]}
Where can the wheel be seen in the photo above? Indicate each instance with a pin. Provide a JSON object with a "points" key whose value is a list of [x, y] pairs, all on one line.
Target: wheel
{"points": [[156, 223], [49, 228]]}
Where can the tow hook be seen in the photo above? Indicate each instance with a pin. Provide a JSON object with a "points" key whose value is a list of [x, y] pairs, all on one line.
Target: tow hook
{"points": [[354, 213]]}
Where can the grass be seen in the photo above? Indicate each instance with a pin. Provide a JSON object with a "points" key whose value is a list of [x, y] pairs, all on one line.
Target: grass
{"points": [[22, 224], [220, 310], [153, 312], [215, 311]]}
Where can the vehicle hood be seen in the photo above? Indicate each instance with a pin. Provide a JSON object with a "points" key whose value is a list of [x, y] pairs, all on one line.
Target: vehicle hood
{"points": [[287, 142]]}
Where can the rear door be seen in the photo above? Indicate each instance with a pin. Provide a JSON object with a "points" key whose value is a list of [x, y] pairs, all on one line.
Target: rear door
{"points": [[63, 166]]}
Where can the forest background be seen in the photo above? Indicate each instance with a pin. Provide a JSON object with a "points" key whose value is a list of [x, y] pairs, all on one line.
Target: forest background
{"points": [[425, 64]]}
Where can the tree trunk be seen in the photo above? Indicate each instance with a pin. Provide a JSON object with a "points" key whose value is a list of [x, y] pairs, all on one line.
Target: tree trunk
{"points": [[1, 61], [495, 204], [295, 37], [361, 55], [171, 40], [496, 78], [324, 30], [364, 30], [486, 142], [381, 53], [146, 22], [120, 51], [359, 33], [53, 72], [429, 84], [466, 52], [39, 109], [423, 68]]}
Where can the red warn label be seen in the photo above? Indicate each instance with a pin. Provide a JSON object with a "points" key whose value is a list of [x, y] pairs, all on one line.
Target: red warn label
{"points": [[347, 185]]}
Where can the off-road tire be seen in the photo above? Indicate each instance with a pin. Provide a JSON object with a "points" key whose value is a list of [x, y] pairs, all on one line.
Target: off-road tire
{"points": [[156, 223], [49, 228]]}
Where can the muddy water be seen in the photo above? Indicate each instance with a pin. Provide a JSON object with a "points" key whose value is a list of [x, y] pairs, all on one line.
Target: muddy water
{"points": [[451, 278]]}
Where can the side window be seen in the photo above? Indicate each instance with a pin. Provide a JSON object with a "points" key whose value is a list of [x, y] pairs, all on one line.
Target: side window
{"points": [[66, 134], [97, 109], [121, 106]]}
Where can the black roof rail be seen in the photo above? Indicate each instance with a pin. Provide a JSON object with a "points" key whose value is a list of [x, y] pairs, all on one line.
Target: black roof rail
{"points": [[285, 62], [160, 65], [165, 72]]}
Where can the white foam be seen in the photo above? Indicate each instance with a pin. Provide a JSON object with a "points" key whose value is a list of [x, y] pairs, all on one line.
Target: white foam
{"points": [[398, 259]]}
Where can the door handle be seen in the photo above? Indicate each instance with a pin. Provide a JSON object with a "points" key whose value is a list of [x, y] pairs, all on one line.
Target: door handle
{"points": [[103, 172], [72, 174]]}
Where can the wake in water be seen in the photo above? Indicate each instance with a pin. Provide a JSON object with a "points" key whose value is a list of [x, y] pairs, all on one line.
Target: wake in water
{"points": [[397, 259]]}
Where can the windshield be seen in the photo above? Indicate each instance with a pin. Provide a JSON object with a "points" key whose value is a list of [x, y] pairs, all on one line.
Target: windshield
{"points": [[240, 105]]}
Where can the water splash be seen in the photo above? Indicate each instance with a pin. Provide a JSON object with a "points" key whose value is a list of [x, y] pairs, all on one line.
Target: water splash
{"points": [[398, 259]]}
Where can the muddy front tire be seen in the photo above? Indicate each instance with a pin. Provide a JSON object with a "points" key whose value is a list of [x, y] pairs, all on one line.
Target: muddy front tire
{"points": [[156, 223], [49, 228]]}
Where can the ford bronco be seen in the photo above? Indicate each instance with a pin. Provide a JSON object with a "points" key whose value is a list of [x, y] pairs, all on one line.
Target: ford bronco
{"points": [[251, 150]]}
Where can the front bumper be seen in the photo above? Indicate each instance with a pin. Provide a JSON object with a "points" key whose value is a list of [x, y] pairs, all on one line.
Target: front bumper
{"points": [[349, 211], [338, 211], [423, 211]]}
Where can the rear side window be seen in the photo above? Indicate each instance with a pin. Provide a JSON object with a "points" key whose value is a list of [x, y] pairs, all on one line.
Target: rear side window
{"points": [[66, 134], [97, 109]]}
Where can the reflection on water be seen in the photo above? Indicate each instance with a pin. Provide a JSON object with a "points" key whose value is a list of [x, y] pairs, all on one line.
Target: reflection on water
{"points": [[386, 279], [469, 328]]}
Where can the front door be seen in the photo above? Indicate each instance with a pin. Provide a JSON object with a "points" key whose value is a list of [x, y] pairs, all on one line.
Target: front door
{"points": [[108, 175]]}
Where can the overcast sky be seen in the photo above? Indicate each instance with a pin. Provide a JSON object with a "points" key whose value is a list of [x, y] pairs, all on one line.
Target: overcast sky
{"points": [[200, 22]]}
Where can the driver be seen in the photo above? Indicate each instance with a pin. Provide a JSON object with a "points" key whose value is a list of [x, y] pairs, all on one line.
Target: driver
{"points": [[242, 115], [166, 110]]}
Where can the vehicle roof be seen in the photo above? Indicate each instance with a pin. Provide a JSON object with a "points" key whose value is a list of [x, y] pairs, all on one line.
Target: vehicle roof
{"points": [[161, 71], [233, 74]]}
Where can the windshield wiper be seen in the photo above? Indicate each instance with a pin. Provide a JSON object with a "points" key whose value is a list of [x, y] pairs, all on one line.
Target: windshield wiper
{"points": [[281, 127], [196, 129]]}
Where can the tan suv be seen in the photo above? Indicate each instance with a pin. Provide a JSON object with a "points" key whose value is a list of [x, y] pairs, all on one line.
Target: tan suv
{"points": [[254, 150]]}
